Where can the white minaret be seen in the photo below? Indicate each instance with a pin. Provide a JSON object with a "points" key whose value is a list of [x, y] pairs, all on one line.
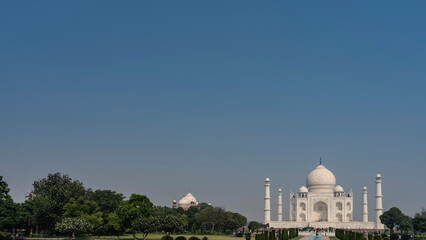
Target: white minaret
{"points": [[267, 202], [379, 208], [280, 205], [365, 206]]}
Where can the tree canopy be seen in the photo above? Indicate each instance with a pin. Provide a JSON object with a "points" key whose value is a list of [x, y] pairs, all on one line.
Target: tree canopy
{"points": [[395, 218], [60, 204], [419, 221]]}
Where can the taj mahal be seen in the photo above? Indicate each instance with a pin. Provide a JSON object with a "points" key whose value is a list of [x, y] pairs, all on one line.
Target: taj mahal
{"points": [[322, 204]]}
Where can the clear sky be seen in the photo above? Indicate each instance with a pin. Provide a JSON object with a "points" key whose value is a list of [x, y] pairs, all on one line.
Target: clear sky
{"points": [[159, 97]]}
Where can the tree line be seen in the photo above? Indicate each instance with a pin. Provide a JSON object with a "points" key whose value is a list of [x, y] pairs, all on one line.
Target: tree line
{"points": [[395, 219], [59, 204]]}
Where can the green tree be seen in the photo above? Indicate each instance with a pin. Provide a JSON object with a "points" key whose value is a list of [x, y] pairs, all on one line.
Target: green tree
{"points": [[253, 226], [51, 194], [86, 209], [106, 200], [138, 206], [419, 221], [4, 189], [393, 218], [73, 226], [241, 220], [170, 224], [11, 214], [114, 224], [405, 223], [146, 226], [211, 217]]}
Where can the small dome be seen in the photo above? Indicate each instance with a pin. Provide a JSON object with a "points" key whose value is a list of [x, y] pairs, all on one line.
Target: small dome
{"points": [[174, 201], [280, 190], [364, 188], [378, 175], [267, 180], [303, 189], [338, 188], [321, 180], [188, 199]]}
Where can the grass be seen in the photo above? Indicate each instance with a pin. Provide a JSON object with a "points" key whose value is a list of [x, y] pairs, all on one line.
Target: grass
{"points": [[333, 238]]}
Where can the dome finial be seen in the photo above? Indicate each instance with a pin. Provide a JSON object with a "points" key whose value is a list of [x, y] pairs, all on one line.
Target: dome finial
{"points": [[320, 161]]}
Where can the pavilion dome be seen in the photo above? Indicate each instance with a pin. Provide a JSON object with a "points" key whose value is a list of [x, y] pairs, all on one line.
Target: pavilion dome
{"points": [[321, 180], [338, 188], [188, 199], [303, 189]]}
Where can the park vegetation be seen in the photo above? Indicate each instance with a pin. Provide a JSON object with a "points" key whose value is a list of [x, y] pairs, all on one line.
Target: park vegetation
{"points": [[279, 234], [61, 206]]}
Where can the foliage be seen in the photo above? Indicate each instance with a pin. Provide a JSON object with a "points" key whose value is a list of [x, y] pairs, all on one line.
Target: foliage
{"points": [[248, 236], [395, 218], [253, 225], [10, 214], [106, 200], [73, 226], [4, 189], [146, 226], [419, 221], [180, 238], [138, 206], [86, 209], [193, 238], [405, 237], [114, 224], [170, 224], [394, 236], [204, 216], [212, 217], [51, 194], [205, 238], [57, 199], [167, 237]]}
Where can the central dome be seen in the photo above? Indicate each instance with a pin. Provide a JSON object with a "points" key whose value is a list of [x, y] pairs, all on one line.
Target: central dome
{"points": [[321, 180]]}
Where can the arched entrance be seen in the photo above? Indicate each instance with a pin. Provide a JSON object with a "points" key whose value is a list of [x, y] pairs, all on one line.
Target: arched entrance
{"points": [[339, 217], [320, 212]]}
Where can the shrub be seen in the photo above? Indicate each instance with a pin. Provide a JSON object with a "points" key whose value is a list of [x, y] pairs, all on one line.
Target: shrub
{"points": [[193, 238], [180, 238], [386, 238], [405, 236], [394, 236], [167, 238], [204, 238], [248, 236]]}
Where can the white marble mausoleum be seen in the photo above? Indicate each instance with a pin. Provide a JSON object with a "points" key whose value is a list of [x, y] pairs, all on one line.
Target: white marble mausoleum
{"points": [[322, 204]]}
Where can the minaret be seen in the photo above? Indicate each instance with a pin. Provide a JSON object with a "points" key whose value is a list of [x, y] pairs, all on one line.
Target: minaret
{"points": [[280, 205], [267, 202], [365, 206], [379, 208]]}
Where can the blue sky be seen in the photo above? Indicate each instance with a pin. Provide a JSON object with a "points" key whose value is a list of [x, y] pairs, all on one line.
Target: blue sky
{"points": [[161, 97]]}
